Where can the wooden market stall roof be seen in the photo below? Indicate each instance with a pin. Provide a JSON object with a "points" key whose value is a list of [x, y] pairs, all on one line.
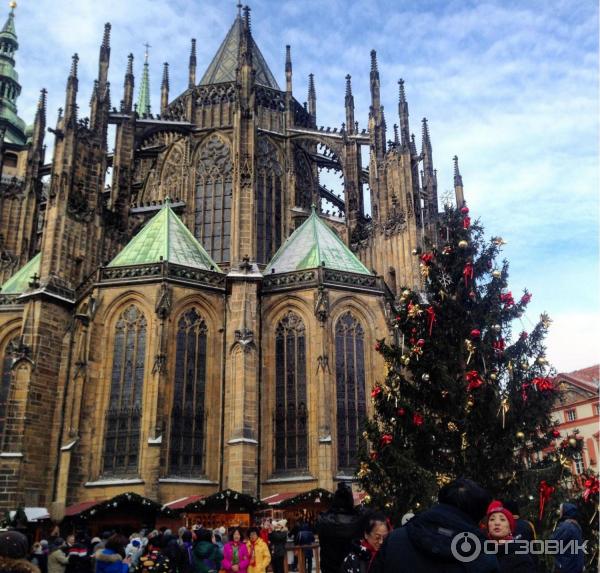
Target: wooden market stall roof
{"points": [[226, 500], [89, 509], [183, 502], [317, 495]]}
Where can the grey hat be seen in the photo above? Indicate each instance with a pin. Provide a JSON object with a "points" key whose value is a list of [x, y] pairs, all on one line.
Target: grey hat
{"points": [[13, 545]]}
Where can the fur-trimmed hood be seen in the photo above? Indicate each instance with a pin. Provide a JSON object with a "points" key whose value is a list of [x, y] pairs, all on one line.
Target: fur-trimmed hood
{"points": [[104, 555], [8, 565]]}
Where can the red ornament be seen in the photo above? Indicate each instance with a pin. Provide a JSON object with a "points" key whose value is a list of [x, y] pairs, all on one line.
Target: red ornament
{"points": [[468, 272], [386, 439], [526, 298], [475, 333], [592, 487], [374, 455], [543, 384], [426, 258], [430, 318], [376, 391], [401, 411], [420, 342], [472, 295], [447, 250], [555, 433], [473, 379], [523, 335], [378, 347], [464, 210], [498, 346], [507, 298], [466, 222], [417, 419], [546, 492]]}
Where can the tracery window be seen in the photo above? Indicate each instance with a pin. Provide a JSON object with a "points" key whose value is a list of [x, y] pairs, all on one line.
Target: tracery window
{"points": [[350, 388], [268, 200], [291, 436], [124, 414], [212, 215], [187, 415], [7, 361]]}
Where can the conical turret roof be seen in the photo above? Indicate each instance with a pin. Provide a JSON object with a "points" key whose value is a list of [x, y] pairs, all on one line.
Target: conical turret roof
{"points": [[165, 238], [312, 245], [19, 282], [225, 62]]}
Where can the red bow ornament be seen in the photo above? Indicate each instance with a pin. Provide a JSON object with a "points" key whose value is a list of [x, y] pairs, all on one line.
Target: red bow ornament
{"points": [[498, 346], [473, 379], [543, 384], [546, 492], [526, 298], [376, 391], [592, 487], [507, 298], [430, 318], [417, 419], [466, 222], [468, 272], [386, 439]]}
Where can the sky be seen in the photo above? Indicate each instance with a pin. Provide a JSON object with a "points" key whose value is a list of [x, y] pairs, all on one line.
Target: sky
{"points": [[511, 87]]}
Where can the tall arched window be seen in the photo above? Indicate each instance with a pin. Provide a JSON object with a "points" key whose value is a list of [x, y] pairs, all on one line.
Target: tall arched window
{"points": [[291, 435], [350, 388], [122, 435], [7, 361], [187, 416], [212, 216], [268, 200]]}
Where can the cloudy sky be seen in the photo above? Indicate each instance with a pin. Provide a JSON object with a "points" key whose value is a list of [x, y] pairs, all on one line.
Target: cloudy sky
{"points": [[508, 86]]}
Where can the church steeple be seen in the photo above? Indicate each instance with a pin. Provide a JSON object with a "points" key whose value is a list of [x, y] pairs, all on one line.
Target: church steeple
{"points": [[349, 104], [403, 115], [164, 89], [143, 104], [458, 184], [312, 98], [9, 82]]}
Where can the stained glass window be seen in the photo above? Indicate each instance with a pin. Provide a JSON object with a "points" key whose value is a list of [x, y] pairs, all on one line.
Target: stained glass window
{"points": [[268, 201], [212, 215], [350, 389], [187, 415], [124, 414], [291, 436], [5, 382]]}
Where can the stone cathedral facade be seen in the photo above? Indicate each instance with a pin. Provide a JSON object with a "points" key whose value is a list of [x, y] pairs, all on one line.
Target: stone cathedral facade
{"points": [[200, 320]]}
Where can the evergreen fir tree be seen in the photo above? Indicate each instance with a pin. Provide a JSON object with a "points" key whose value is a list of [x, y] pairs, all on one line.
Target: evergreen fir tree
{"points": [[459, 398]]}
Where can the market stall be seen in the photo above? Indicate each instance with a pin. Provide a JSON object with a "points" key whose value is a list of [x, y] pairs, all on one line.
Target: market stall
{"points": [[304, 507]]}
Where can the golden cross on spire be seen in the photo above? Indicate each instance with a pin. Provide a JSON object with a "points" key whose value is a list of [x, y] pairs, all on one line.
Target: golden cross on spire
{"points": [[146, 45], [12, 5]]}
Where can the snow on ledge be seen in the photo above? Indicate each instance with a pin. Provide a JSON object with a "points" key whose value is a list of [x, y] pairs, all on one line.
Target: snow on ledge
{"points": [[104, 482]]}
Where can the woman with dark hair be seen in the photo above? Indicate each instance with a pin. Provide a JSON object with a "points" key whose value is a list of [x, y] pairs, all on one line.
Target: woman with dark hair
{"points": [[111, 559], [235, 553], [374, 529], [258, 552], [154, 560], [207, 557]]}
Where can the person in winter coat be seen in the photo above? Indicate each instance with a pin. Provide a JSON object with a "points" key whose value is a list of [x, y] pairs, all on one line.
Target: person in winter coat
{"points": [[154, 560], [235, 553], [80, 561], [278, 539], [523, 529], [134, 549], [568, 529], [13, 553], [337, 528], [258, 552], [39, 557], [305, 537], [206, 554], [501, 526], [186, 547], [432, 541], [374, 529], [57, 561], [111, 558]]}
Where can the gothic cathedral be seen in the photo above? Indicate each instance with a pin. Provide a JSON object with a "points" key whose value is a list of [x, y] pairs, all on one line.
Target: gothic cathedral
{"points": [[196, 310]]}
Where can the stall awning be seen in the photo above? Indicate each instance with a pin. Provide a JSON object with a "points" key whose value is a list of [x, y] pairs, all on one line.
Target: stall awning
{"points": [[183, 501], [277, 498], [227, 500], [33, 514], [77, 508]]}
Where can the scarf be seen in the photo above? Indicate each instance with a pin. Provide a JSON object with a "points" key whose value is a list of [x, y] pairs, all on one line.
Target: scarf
{"points": [[252, 553], [372, 551], [235, 550]]}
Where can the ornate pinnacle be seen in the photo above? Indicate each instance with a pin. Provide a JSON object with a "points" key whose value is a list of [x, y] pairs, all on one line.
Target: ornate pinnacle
{"points": [[401, 95], [129, 71], [247, 21], [348, 85], [106, 37], [193, 51], [74, 62], [373, 61], [288, 59], [165, 77], [396, 138]]}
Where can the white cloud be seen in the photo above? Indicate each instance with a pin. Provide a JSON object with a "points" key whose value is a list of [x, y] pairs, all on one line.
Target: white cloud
{"points": [[573, 340]]}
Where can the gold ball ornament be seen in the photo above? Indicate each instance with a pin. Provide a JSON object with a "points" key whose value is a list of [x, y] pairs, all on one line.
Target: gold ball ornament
{"points": [[367, 499], [365, 435], [541, 360], [425, 377], [452, 427], [463, 244], [493, 376], [572, 442], [496, 273], [405, 292], [12, 4], [520, 435]]}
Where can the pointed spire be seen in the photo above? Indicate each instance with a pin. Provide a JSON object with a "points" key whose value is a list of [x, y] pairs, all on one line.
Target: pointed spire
{"points": [[143, 104], [403, 115], [349, 105], [192, 65], [104, 58], [425, 141], [245, 54], [312, 98], [164, 89], [413, 144], [396, 138], [288, 69], [128, 86], [457, 175], [39, 123], [375, 85], [72, 88], [9, 25]]}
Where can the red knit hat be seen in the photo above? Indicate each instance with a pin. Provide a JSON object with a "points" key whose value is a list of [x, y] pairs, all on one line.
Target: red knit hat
{"points": [[497, 507]]}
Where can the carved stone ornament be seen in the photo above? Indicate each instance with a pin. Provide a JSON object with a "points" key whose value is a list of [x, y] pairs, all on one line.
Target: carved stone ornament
{"points": [[245, 338], [321, 304], [323, 363], [164, 301], [78, 206]]}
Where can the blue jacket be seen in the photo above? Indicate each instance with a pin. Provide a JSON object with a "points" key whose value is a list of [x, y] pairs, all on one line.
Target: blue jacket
{"points": [[108, 561], [569, 530], [424, 545]]}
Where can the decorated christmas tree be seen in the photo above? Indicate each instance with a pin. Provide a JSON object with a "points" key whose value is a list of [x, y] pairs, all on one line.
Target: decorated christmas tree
{"points": [[463, 395]]}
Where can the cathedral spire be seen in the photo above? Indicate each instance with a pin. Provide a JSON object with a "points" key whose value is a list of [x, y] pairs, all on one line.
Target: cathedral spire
{"points": [[312, 98], [192, 65], [10, 88], [246, 51], [288, 70], [72, 88], [349, 104], [104, 58], [458, 185], [128, 86], [143, 105], [426, 150], [164, 89], [375, 84], [403, 115], [39, 123]]}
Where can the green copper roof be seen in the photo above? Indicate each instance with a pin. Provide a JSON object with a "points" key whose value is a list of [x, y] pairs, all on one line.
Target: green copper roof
{"points": [[143, 104], [311, 245], [19, 282], [8, 30], [165, 237], [224, 64]]}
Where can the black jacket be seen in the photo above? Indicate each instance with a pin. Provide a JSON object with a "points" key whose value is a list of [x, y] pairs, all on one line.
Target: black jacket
{"points": [[278, 540], [424, 545], [513, 563], [357, 561], [336, 530]]}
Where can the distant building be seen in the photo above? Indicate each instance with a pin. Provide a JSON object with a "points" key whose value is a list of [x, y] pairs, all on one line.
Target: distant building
{"points": [[579, 410]]}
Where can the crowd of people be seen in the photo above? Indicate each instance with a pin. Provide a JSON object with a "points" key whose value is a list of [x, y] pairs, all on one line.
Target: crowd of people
{"points": [[349, 541]]}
